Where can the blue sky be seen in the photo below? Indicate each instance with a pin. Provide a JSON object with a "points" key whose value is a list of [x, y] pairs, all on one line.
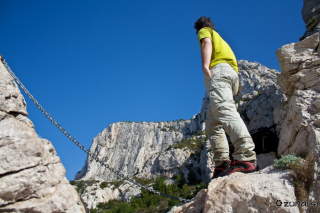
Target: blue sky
{"points": [[93, 63]]}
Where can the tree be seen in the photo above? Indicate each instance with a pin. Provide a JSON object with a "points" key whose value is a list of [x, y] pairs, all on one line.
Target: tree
{"points": [[186, 191], [103, 185], [181, 180], [160, 185]]}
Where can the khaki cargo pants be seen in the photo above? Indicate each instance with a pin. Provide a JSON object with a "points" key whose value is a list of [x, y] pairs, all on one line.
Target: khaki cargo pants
{"points": [[222, 116]]}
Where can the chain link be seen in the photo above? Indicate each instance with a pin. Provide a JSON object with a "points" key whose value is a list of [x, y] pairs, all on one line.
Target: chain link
{"points": [[93, 156]]}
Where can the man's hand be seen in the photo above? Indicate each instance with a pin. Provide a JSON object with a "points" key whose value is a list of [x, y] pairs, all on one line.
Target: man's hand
{"points": [[206, 51], [206, 71]]}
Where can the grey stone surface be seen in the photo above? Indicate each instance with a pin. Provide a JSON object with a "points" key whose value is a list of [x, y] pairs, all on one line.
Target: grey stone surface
{"points": [[298, 116], [32, 178], [265, 160], [93, 195], [255, 192], [11, 100], [310, 8], [194, 206], [242, 193]]}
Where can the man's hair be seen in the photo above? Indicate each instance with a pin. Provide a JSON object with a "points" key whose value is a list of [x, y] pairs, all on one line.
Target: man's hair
{"points": [[203, 22]]}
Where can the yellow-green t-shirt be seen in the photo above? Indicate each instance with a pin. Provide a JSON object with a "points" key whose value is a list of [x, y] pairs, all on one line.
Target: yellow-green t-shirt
{"points": [[221, 51]]}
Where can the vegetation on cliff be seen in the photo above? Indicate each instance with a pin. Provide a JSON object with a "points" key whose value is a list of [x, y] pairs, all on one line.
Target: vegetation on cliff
{"points": [[150, 202]]}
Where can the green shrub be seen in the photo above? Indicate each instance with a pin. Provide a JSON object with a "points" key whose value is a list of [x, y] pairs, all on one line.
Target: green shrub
{"points": [[111, 204], [311, 23], [302, 172], [172, 203], [103, 185], [124, 208], [171, 128], [143, 181], [150, 202], [169, 190], [72, 182], [82, 184], [191, 143], [101, 205], [159, 185], [175, 187], [169, 147], [202, 185], [285, 161], [186, 191], [93, 211], [180, 180], [117, 183]]}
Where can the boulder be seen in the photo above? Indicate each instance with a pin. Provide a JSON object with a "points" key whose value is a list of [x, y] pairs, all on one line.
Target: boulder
{"points": [[194, 206], [265, 191], [32, 178]]}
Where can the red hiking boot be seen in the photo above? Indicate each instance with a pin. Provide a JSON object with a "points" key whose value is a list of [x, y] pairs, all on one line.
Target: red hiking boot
{"points": [[220, 169], [241, 166]]}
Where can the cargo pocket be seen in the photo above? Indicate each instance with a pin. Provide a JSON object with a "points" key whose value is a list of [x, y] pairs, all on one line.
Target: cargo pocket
{"points": [[218, 92]]}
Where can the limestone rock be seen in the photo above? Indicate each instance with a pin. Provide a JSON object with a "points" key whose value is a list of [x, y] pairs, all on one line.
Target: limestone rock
{"points": [[195, 206], [259, 95], [300, 82], [11, 100], [265, 160], [298, 116], [257, 192], [94, 194], [32, 178], [254, 192], [127, 146]]}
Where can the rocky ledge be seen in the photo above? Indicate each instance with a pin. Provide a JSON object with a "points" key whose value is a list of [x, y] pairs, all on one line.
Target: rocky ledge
{"points": [[242, 193]]}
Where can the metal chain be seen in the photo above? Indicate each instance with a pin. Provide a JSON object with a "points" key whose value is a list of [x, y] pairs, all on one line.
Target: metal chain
{"points": [[95, 157]]}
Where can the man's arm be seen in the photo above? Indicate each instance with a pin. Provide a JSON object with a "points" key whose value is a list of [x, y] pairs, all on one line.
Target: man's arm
{"points": [[206, 51]]}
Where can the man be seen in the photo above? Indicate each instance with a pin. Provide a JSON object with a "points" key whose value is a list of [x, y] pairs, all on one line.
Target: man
{"points": [[221, 80]]}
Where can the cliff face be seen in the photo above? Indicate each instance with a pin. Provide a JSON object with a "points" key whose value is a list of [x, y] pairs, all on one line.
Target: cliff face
{"points": [[298, 118], [150, 149], [32, 178]]}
